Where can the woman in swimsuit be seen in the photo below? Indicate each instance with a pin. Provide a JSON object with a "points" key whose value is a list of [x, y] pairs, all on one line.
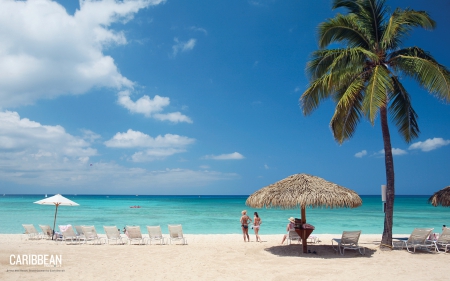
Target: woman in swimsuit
{"points": [[256, 224], [289, 227], [244, 225]]}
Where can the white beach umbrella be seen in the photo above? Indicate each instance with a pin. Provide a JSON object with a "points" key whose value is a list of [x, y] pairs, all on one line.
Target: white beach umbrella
{"points": [[56, 200]]}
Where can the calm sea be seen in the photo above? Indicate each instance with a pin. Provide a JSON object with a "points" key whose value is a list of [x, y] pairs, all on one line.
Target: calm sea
{"points": [[214, 214]]}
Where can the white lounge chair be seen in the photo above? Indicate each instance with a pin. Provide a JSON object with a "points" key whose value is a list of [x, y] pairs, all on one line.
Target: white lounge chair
{"points": [[113, 233], [176, 233], [419, 239], [293, 236], [80, 233], [155, 234], [31, 231], [90, 234], [68, 234], [47, 231], [443, 240], [134, 234], [349, 240]]}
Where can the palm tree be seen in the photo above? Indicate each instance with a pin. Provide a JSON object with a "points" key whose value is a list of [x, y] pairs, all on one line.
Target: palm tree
{"points": [[363, 77]]}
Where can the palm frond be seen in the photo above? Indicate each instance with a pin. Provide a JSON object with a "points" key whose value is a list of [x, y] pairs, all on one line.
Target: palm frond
{"points": [[333, 60], [377, 88], [342, 28], [422, 67], [371, 16], [317, 91], [401, 23], [351, 5], [402, 112], [348, 110]]}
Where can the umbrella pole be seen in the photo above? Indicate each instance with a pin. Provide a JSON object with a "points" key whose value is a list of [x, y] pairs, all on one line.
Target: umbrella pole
{"points": [[304, 244], [54, 220]]}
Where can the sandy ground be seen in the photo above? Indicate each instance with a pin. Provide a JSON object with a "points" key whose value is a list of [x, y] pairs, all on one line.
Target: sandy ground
{"points": [[220, 257]]}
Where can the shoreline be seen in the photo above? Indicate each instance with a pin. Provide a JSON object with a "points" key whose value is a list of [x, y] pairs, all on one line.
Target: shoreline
{"points": [[221, 257]]}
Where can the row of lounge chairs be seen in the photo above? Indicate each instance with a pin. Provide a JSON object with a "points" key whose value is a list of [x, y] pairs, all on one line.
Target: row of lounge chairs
{"points": [[422, 238], [86, 234]]}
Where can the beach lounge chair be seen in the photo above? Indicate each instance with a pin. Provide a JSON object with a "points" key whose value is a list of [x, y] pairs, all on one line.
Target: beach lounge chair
{"points": [[134, 234], [68, 234], [31, 231], [293, 236], [113, 233], [47, 231], [419, 239], [155, 234], [90, 234], [349, 240], [79, 231], [176, 233], [443, 240]]}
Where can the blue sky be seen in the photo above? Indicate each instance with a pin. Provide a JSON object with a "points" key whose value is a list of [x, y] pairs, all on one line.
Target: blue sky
{"points": [[190, 97]]}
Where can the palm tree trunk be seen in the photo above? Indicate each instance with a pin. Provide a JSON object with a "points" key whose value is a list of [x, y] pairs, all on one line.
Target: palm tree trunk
{"points": [[386, 240]]}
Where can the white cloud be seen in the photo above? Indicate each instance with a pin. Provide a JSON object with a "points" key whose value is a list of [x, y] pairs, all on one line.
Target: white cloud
{"points": [[429, 144], [266, 167], [155, 154], [158, 148], [132, 139], [26, 143], [46, 52], [183, 46], [200, 29], [395, 152], [174, 117], [361, 154], [231, 156], [151, 107], [33, 154]]}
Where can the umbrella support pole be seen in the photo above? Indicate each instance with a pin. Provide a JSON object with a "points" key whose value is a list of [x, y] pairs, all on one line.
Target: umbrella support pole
{"points": [[54, 221], [303, 235]]}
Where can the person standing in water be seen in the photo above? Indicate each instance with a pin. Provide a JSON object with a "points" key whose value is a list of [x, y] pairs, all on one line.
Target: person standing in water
{"points": [[256, 224], [244, 225]]}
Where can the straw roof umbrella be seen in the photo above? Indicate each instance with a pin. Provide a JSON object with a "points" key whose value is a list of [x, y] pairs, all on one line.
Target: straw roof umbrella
{"points": [[301, 191], [441, 197]]}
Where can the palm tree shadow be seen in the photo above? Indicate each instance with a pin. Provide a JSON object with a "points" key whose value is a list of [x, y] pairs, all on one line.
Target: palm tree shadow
{"points": [[316, 251]]}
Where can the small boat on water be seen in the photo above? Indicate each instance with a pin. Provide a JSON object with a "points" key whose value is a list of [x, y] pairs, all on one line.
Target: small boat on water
{"points": [[135, 207]]}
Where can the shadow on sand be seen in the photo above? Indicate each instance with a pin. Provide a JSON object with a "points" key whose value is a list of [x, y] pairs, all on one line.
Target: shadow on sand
{"points": [[316, 251]]}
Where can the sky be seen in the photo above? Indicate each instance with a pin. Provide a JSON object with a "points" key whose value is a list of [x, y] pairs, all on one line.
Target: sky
{"points": [[191, 97]]}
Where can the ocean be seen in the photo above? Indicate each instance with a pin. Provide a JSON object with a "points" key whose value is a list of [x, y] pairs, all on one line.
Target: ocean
{"points": [[203, 214]]}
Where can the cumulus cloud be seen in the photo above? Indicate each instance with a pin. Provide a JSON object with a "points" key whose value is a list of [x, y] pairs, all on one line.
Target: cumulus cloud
{"points": [[151, 107], [183, 46], [25, 143], [159, 147], [361, 154], [132, 139], [429, 144], [231, 156], [35, 154], [45, 52]]}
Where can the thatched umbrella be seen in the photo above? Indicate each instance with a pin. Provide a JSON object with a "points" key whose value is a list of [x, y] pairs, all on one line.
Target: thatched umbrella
{"points": [[301, 191], [441, 197]]}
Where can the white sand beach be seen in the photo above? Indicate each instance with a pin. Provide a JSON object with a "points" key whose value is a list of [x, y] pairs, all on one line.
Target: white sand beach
{"points": [[220, 257]]}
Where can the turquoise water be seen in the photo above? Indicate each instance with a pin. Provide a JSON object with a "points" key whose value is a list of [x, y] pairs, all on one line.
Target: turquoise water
{"points": [[214, 214]]}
